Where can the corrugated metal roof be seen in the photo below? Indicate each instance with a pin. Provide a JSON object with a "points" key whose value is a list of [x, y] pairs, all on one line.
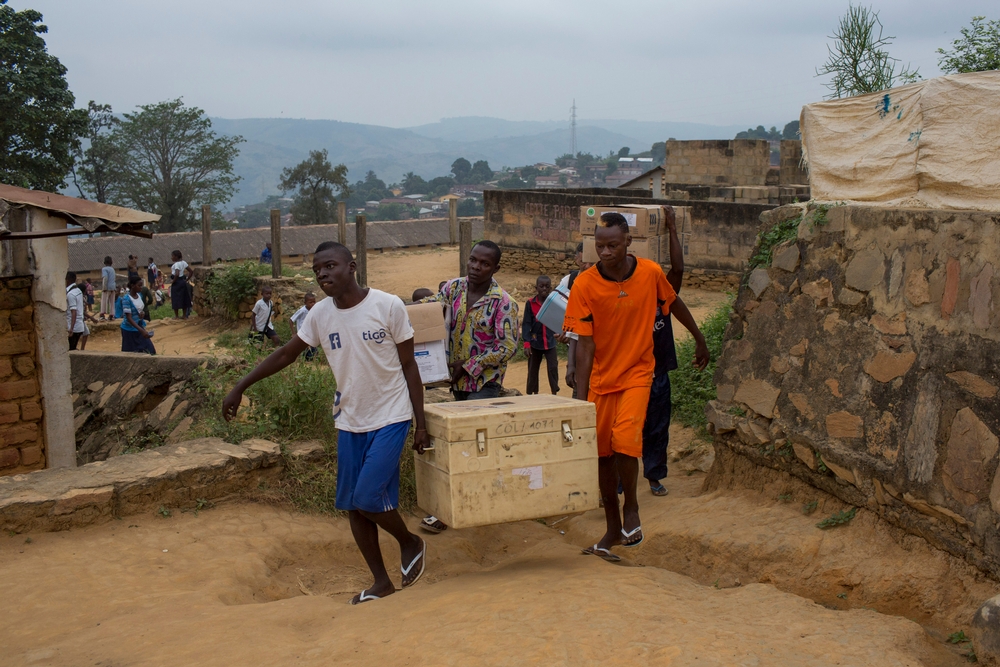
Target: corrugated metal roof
{"points": [[236, 244], [91, 215]]}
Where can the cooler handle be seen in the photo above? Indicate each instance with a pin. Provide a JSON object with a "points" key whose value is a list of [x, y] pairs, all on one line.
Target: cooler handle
{"points": [[567, 433], [481, 441]]}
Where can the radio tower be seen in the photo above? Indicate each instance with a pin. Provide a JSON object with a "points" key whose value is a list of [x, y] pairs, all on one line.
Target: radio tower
{"points": [[572, 128]]}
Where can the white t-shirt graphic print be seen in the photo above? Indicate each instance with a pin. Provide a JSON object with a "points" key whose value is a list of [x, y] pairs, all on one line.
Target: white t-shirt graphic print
{"points": [[360, 346]]}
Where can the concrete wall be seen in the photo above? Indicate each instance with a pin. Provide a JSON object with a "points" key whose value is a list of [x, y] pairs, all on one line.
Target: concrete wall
{"points": [[539, 230], [734, 162], [792, 171], [864, 361]]}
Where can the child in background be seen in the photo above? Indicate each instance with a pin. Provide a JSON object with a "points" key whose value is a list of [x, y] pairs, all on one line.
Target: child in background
{"points": [[88, 292], [420, 293], [539, 340], [299, 317], [260, 320]]}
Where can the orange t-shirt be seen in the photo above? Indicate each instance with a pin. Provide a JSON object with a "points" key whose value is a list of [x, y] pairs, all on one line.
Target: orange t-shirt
{"points": [[619, 317]]}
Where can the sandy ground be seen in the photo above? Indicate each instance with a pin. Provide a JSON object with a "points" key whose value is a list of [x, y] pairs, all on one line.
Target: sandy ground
{"points": [[249, 584]]}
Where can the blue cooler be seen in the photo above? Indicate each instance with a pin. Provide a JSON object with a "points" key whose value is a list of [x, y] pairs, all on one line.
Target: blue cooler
{"points": [[553, 311]]}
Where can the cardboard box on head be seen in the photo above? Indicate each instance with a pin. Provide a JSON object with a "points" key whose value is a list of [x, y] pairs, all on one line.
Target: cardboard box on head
{"points": [[430, 341], [656, 248], [643, 219]]}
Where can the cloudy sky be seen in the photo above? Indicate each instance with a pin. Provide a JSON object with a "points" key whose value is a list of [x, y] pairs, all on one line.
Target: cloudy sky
{"points": [[403, 63]]}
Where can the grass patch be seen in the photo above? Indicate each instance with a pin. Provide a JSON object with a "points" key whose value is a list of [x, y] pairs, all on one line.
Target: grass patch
{"points": [[691, 389], [837, 519]]}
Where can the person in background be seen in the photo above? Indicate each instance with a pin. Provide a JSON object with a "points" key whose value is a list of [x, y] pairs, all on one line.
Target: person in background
{"points": [[189, 278], [656, 430], [75, 325], [539, 340], [148, 299], [135, 337], [260, 320], [612, 309], [88, 292], [265, 254], [442, 284], [180, 298], [483, 333], [152, 273], [421, 293], [566, 286], [300, 316], [378, 391], [133, 266], [109, 290]]}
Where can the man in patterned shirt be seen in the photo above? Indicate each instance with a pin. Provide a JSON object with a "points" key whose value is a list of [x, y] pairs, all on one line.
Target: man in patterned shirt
{"points": [[483, 332]]}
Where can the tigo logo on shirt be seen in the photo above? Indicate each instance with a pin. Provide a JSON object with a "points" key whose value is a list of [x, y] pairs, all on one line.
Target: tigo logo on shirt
{"points": [[334, 341], [377, 336]]}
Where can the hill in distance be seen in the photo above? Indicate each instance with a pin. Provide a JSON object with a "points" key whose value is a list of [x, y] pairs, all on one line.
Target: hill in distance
{"points": [[429, 150]]}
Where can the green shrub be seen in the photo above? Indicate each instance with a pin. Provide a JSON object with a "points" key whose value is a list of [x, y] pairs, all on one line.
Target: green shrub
{"points": [[228, 287], [691, 389]]}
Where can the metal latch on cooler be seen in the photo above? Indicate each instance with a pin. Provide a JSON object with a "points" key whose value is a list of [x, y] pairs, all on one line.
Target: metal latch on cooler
{"points": [[481, 441], [567, 433]]}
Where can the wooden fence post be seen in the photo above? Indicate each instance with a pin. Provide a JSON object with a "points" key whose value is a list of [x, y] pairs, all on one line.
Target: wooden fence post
{"points": [[361, 250], [464, 245], [452, 221], [206, 235], [275, 243], [342, 222]]}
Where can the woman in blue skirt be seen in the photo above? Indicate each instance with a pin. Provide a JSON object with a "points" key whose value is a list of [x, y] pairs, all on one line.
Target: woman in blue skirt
{"points": [[135, 338]]}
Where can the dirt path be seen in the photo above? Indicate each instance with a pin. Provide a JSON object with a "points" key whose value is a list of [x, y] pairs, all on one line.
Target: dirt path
{"points": [[247, 584]]}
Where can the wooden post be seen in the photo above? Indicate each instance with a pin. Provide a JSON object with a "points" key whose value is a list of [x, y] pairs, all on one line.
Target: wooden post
{"points": [[464, 244], [342, 222], [275, 243], [206, 236], [361, 250], [452, 221]]}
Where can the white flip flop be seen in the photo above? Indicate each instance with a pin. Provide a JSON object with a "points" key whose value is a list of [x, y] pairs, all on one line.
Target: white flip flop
{"points": [[419, 557]]}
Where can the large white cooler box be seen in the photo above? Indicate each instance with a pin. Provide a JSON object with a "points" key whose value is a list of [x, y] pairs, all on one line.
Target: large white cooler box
{"points": [[508, 459]]}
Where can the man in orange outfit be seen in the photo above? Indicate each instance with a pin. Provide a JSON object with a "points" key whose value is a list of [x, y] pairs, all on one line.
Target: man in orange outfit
{"points": [[612, 308]]}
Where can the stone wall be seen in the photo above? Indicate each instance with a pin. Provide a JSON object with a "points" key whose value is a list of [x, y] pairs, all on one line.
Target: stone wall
{"points": [[864, 361], [792, 169], [539, 230], [22, 438], [733, 162], [287, 297]]}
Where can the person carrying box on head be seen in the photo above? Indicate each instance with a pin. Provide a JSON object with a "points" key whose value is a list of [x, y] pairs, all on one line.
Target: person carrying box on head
{"points": [[368, 342], [612, 307], [539, 340]]}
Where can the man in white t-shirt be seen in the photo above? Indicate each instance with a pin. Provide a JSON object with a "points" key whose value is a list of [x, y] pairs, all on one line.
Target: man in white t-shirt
{"points": [[75, 325], [260, 322], [368, 342]]}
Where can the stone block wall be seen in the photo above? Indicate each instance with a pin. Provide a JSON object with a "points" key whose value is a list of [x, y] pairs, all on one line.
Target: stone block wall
{"points": [[538, 232], [733, 162], [286, 296], [22, 438], [791, 169], [864, 361]]}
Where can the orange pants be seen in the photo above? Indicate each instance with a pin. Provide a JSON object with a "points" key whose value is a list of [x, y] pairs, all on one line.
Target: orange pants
{"points": [[620, 417]]}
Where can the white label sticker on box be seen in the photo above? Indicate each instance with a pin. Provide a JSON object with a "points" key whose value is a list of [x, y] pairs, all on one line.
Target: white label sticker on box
{"points": [[534, 475], [630, 219]]}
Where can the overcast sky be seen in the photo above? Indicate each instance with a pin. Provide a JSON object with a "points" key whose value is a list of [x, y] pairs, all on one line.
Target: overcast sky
{"points": [[402, 63]]}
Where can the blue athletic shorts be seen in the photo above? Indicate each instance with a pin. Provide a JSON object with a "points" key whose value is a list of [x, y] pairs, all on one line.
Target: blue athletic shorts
{"points": [[368, 468]]}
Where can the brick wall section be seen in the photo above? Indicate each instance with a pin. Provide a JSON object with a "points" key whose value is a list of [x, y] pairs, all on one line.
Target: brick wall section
{"points": [[21, 437], [792, 171], [735, 162]]}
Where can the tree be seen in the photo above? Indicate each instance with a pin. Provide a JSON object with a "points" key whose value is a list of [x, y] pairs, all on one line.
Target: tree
{"points": [[314, 178], [481, 172], [659, 152], [372, 188], [462, 169], [977, 51], [413, 184], [791, 130], [94, 168], [440, 186], [468, 208], [623, 151], [169, 161], [858, 60], [39, 128]]}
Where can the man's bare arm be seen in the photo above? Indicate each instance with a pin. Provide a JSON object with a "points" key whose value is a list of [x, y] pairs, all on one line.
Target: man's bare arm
{"points": [[584, 365], [675, 275], [416, 390], [282, 357], [701, 354]]}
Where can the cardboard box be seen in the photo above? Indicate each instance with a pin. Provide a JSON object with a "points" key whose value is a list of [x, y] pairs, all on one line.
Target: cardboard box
{"points": [[430, 341], [656, 248], [508, 459], [643, 219]]}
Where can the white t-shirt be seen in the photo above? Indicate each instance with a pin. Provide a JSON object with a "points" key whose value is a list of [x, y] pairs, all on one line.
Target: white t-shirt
{"points": [[299, 317], [178, 268], [262, 314], [360, 346], [74, 301], [137, 302]]}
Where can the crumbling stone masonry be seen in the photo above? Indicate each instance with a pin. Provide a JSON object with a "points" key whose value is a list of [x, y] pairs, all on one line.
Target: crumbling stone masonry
{"points": [[714, 162], [863, 360], [22, 438]]}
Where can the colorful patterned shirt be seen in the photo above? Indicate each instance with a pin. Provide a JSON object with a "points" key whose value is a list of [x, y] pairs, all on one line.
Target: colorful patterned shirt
{"points": [[484, 335]]}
